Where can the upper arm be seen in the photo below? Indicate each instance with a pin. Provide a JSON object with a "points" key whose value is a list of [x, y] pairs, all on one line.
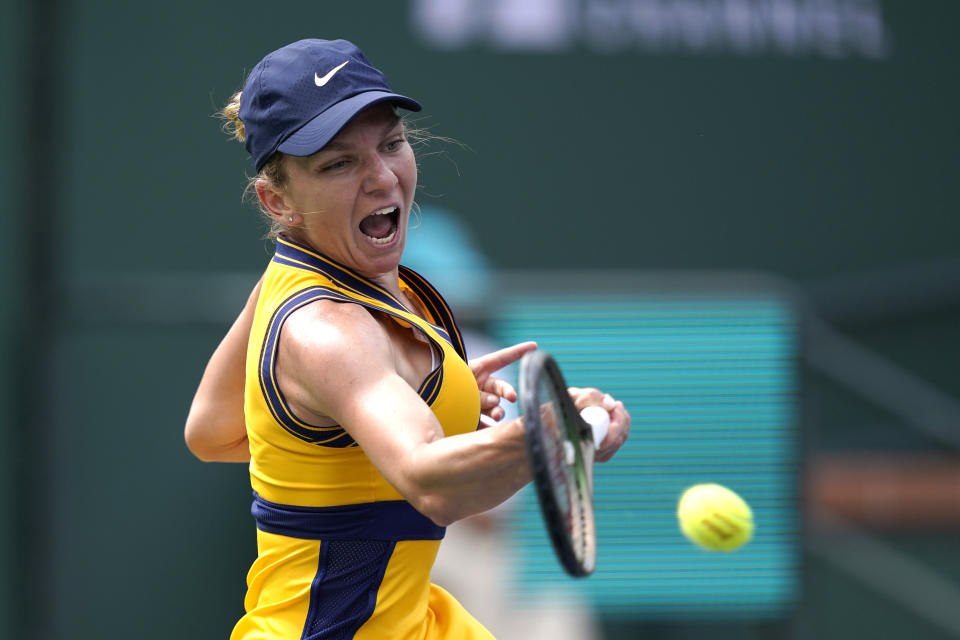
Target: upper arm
{"points": [[336, 360], [215, 429]]}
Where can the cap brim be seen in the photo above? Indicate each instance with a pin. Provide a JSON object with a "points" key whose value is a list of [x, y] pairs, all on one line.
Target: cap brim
{"points": [[315, 135]]}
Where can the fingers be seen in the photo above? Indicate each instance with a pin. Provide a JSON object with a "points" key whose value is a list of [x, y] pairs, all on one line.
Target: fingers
{"points": [[608, 402], [501, 388], [619, 428], [493, 392], [488, 401], [487, 364], [586, 397], [617, 434], [496, 413]]}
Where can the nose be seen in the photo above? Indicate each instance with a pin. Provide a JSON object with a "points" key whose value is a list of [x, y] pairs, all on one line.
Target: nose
{"points": [[379, 176]]}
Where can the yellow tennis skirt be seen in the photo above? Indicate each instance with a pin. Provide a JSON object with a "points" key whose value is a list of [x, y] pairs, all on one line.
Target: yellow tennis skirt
{"points": [[343, 587]]}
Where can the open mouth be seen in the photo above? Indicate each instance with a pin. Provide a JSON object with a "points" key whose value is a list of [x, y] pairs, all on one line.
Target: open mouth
{"points": [[381, 226]]}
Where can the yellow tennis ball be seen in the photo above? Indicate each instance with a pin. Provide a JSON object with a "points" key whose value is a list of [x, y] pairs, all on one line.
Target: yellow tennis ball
{"points": [[715, 517]]}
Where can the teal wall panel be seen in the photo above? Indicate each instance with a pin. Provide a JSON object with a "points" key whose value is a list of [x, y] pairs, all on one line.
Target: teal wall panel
{"points": [[711, 381]]}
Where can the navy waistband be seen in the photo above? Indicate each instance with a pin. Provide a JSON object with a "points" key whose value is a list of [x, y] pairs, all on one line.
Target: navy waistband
{"points": [[388, 520]]}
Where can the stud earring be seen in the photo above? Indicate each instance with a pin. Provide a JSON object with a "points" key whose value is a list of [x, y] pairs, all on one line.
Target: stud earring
{"points": [[289, 218]]}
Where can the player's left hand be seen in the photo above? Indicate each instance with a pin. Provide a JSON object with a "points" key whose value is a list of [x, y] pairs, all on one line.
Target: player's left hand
{"points": [[619, 418], [492, 390]]}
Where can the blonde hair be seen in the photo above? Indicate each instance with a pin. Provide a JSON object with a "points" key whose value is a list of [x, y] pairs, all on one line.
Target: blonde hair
{"points": [[272, 171]]}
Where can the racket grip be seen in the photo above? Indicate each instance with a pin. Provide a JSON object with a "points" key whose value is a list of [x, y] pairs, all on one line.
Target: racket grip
{"points": [[599, 421]]}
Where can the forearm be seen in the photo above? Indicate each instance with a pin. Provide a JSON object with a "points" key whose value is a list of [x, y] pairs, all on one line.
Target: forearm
{"points": [[463, 475], [337, 361]]}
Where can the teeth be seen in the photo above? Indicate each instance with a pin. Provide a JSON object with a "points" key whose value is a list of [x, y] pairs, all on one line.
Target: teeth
{"points": [[383, 240], [383, 212]]}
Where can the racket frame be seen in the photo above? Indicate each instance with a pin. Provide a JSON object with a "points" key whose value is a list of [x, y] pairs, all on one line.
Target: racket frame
{"points": [[537, 367]]}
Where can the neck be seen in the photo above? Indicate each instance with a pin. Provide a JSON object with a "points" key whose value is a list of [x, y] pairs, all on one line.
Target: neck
{"points": [[389, 280]]}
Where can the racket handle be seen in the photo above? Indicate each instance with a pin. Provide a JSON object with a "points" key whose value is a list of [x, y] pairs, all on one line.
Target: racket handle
{"points": [[599, 421]]}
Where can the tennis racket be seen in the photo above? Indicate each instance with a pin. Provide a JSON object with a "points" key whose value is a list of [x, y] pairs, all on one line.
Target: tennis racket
{"points": [[561, 443]]}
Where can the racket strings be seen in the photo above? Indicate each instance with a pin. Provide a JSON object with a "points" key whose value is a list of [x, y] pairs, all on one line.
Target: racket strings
{"points": [[562, 431], [560, 459]]}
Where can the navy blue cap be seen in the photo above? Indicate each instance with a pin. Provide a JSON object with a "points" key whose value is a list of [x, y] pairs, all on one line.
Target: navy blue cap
{"points": [[300, 96]]}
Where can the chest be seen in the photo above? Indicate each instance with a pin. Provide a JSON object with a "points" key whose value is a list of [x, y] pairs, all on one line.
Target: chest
{"points": [[414, 355], [450, 390]]}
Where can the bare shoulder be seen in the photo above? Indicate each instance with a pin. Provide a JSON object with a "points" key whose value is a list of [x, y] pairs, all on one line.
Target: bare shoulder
{"points": [[327, 336], [329, 354]]}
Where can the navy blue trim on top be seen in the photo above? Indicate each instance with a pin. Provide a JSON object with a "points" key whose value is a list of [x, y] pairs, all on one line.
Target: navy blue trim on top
{"points": [[346, 284], [387, 520], [430, 387], [295, 254], [292, 254], [437, 306], [328, 436]]}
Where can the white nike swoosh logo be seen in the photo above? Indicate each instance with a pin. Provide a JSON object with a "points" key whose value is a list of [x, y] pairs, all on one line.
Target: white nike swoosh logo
{"points": [[325, 79]]}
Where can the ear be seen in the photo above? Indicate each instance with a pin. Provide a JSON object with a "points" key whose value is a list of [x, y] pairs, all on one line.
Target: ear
{"points": [[276, 202]]}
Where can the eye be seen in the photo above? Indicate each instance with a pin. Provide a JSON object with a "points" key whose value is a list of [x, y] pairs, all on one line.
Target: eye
{"points": [[395, 144], [333, 166]]}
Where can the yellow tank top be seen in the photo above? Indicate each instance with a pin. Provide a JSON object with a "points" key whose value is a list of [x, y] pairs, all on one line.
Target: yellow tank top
{"points": [[296, 463], [339, 550]]}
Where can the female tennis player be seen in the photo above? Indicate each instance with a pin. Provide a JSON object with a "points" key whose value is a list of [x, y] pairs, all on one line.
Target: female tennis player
{"points": [[343, 381]]}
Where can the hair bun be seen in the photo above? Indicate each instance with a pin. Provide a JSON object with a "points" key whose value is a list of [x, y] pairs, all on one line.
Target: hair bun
{"points": [[233, 125]]}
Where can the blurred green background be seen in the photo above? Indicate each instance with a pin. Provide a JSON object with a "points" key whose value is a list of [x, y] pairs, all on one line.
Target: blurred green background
{"points": [[814, 140]]}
